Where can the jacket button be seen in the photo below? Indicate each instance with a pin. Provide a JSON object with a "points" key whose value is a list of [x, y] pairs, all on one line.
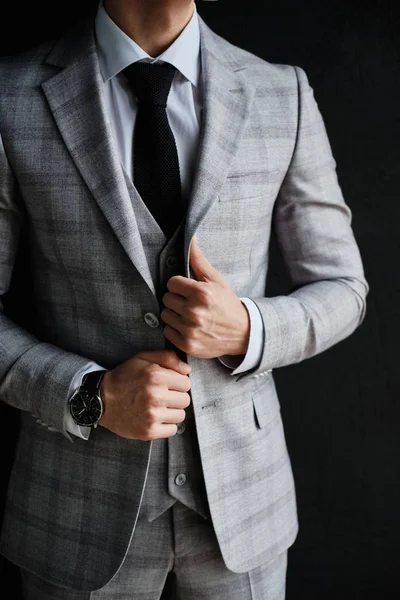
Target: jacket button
{"points": [[180, 479], [172, 262], [151, 320], [181, 428]]}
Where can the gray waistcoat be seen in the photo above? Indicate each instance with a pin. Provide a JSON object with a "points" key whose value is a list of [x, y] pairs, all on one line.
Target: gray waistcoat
{"points": [[175, 471]]}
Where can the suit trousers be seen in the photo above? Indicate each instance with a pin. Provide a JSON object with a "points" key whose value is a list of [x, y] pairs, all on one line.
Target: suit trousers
{"points": [[174, 557]]}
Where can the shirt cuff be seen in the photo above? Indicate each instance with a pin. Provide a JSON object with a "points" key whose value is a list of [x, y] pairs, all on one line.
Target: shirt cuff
{"points": [[69, 423], [252, 358]]}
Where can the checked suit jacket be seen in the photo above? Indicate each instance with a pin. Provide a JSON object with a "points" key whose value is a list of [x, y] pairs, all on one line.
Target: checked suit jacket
{"points": [[264, 162]]}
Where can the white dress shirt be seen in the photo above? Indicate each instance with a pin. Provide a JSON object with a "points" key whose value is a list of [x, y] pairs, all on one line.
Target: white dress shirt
{"points": [[185, 105]]}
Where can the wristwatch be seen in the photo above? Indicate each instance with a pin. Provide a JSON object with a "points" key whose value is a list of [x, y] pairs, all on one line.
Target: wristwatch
{"points": [[86, 405]]}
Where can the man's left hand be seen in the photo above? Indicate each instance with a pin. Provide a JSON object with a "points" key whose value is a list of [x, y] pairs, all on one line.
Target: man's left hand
{"points": [[204, 318]]}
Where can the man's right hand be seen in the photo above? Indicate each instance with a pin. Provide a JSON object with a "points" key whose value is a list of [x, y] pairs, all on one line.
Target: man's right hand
{"points": [[144, 398]]}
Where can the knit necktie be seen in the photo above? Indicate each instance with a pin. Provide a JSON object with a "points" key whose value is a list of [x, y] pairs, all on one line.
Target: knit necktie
{"points": [[155, 157]]}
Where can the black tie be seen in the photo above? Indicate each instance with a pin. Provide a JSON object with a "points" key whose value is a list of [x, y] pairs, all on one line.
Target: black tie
{"points": [[155, 157]]}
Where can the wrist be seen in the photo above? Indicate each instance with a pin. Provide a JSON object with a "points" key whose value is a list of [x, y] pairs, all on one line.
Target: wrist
{"points": [[243, 328], [85, 405], [105, 397]]}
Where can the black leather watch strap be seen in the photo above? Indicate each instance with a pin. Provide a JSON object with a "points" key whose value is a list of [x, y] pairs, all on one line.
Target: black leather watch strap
{"points": [[91, 382]]}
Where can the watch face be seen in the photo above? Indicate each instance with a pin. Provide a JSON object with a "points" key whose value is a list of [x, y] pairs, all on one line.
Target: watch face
{"points": [[86, 410]]}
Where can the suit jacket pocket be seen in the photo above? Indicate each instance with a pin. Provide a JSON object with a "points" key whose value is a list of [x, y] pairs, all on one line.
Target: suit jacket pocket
{"points": [[266, 405], [250, 185]]}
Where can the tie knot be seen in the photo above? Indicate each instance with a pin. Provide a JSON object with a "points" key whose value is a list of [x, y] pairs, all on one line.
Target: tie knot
{"points": [[151, 82]]}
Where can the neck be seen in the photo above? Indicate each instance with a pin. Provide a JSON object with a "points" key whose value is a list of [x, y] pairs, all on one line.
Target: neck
{"points": [[153, 24]]}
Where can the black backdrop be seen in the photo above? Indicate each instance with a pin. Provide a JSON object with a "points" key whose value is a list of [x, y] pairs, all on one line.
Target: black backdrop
{"points": [[341, 409]]}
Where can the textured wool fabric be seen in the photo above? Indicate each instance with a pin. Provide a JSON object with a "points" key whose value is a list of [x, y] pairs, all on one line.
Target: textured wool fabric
{"points": [[182, 544], [264, 161], [155, 156], [180, 453], [157, 179]]}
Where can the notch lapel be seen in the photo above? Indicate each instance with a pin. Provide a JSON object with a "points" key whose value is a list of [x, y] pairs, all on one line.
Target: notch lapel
{"points": [[227, 100], [75, 97]]}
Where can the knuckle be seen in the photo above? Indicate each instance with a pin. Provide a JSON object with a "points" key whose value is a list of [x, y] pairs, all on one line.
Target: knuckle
{"points": [[205, 294], [150, 417], [194, 315], [154, 376], [171, 359], [144, 396], [156, 401], [189, 346], [152, 366]]}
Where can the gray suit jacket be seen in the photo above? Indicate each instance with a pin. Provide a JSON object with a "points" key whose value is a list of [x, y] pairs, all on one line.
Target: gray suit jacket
{"points": [[264, 160]]}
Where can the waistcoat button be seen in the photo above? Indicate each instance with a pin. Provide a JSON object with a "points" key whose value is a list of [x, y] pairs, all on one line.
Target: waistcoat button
{"points": [[171, 262], [181, 428], [151, 320], [180, 479]]}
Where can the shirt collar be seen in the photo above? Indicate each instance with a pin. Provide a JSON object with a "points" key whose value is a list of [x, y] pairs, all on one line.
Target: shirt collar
{"points": [[116, 50]]}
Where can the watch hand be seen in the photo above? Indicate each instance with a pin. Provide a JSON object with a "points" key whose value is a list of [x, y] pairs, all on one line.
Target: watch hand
{"points": [[83, 410]]}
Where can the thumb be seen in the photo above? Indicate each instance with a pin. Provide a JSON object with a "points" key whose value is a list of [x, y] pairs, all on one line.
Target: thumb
{"points": [[200, 266]]}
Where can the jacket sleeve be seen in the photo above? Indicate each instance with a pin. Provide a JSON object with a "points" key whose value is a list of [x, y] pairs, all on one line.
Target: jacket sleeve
{"points": [[313, 231], [250, 360], [34, 376]]}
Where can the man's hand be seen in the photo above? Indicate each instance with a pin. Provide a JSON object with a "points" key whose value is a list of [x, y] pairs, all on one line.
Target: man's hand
{"points": [[204, 318], [144, 398]]}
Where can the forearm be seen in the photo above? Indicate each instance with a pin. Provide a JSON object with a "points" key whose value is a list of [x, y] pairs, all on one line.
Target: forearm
{"points": [[35, 377], [312, 224], [309, 320]]}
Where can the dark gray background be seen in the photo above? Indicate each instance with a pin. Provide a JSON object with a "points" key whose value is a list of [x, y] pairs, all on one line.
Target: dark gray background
{"points": [[341, 409]]}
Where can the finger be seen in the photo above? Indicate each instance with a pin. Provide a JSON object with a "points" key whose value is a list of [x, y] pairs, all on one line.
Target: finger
{"points": [[176, 338], [182, 285], [176, 381], [172, 319], [173, 415], [167, 359], [179, 400], [163, 431], [175, 302]]}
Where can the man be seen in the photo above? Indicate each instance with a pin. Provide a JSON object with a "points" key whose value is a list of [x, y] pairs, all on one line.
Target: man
{"points": [[146, 160]]}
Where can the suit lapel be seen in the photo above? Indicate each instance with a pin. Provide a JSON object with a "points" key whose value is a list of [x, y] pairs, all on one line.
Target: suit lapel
{"points": [[75, 97], [227, 100]]}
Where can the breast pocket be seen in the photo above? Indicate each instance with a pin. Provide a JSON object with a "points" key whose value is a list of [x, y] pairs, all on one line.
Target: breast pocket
{"points": [[250, 185]]}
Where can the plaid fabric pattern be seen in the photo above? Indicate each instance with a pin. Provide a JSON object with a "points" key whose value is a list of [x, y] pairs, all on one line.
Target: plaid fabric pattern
{"points": [[264, 160], [179, 540]]}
